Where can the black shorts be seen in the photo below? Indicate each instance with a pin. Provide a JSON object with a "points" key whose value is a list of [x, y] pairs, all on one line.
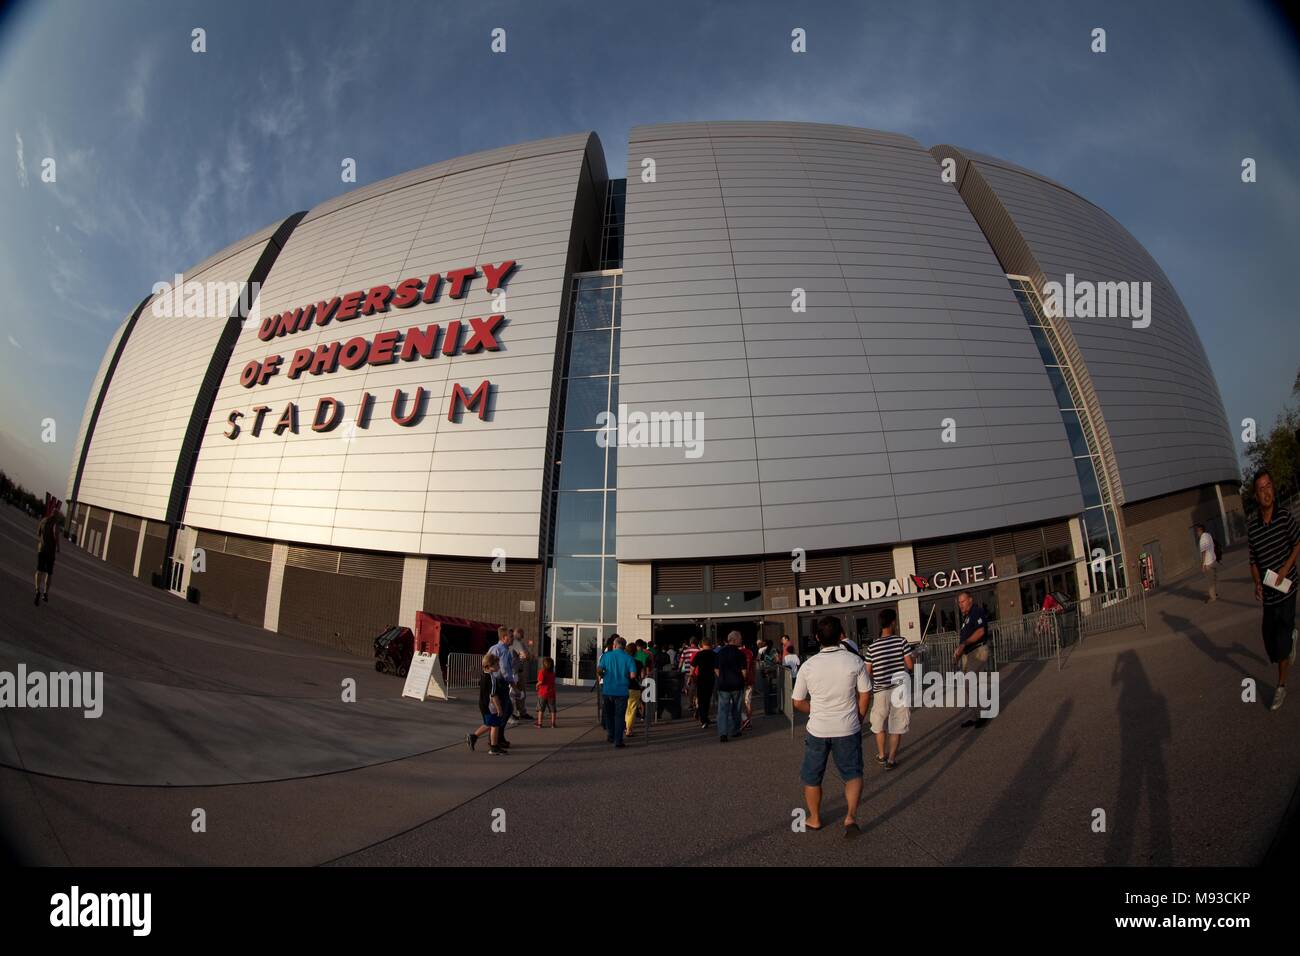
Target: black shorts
{"points": [[45, 562], [1279, 623]]}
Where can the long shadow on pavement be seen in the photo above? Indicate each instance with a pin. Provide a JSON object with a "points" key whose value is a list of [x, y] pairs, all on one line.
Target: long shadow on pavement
{"points": [[1144, 732]]}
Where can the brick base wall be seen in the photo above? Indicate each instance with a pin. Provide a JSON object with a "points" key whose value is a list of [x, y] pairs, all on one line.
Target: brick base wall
{"points": [[338, 610], [1169, 520], [121, 547], [233, 585]]}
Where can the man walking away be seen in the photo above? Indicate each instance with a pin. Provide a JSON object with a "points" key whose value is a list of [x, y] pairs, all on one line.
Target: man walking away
{"points": [[1274, 547], [889, 661], [731, 669], [703, 671], [973, 646], [616, 669], [47, 546], [1209, 563], [832, 689], [685, 661], [501, 650], [519, 693]]}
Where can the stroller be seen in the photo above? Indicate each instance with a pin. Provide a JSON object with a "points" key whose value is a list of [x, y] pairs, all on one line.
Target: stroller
{"points": [[393, 650]]}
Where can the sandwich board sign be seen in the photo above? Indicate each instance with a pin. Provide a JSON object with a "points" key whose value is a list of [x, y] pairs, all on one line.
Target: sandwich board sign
{"points": [[424, 679]]}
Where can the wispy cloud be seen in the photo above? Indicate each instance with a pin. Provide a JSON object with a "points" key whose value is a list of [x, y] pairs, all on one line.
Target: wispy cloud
{"points": [[136, 92], [22, 164], [14, 342]]}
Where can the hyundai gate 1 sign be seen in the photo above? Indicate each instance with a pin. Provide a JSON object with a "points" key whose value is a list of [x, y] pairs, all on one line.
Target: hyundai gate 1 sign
{"points": [[896, 587]]}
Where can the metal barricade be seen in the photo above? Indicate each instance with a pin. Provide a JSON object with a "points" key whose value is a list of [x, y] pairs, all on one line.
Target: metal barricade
{"points": [[1110, 611], [464, 670]]}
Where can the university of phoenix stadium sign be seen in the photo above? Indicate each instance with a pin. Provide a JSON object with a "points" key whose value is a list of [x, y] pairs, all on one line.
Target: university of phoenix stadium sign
{"points": [[897, 587], [417, 343]]}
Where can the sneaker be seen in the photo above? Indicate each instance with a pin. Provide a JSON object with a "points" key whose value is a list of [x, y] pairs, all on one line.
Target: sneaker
{"points": [[512, 722], [620, 745], [45, 597], [891, 764], [1279, 698], [37, 602], [723, 738], [472, 740], [496, 752], [880, 759], [504, 745]]}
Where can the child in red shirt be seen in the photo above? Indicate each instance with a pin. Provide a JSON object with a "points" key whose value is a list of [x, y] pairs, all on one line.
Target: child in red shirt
{"points": [[546, 690]]}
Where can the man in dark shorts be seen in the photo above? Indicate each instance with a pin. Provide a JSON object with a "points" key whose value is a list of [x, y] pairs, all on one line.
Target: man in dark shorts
{"points": [[1274, 547], [47, 546]]}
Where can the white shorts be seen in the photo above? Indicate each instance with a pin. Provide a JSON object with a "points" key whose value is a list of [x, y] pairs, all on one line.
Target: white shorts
{"points": [[887, 716]]}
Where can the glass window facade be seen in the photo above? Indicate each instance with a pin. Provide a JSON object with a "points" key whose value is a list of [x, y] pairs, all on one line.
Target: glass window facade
{"points": [[1106, 556], [582, 574]]}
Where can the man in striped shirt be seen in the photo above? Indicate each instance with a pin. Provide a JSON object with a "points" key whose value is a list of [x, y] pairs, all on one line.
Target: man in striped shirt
{"points": [[1274, 547], [889, 659]]}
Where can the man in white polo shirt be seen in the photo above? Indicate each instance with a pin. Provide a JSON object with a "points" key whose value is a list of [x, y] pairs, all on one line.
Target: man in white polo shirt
{"points": [[1209, 562], [832, 688]]}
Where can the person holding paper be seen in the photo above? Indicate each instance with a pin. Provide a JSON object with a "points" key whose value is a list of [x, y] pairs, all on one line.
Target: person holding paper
{"points": [[1274, 547]]}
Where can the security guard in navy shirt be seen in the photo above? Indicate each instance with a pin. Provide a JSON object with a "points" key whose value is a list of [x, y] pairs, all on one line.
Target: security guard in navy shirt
{"points": [[973, 647]]}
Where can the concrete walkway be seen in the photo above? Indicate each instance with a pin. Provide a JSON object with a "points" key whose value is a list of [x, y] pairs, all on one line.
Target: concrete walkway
{"points": [[203, 712]]}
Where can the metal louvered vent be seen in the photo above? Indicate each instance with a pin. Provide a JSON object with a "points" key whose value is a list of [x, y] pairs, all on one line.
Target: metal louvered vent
{"points": [[735, 577], [363, 564], [314, 559], [1057, 535], [210, 541], [973, 551], [876, 566], [823, 571], [123, 522], [1003, 544], [1029, 542], [255, 548], [777, 573], [679, 578], [933, 557], [479, 574]]}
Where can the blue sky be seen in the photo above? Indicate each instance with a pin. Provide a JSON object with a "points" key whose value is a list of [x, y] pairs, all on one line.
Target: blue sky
{"points": [[164, 156]]}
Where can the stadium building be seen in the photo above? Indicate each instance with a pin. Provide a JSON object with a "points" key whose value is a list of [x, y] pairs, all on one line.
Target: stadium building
{"points": [[778, 370]]}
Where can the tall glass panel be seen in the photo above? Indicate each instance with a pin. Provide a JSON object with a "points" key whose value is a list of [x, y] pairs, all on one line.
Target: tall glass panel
{"points": [[583, 581], [1105, 554]]}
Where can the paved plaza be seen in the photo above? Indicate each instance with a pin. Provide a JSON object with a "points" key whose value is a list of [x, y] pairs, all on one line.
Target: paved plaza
{"points": [[204, 712]]}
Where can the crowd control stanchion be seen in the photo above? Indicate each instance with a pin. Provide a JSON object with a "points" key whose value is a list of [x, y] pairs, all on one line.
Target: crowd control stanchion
{"points": [[648, 698], [787, 697]]}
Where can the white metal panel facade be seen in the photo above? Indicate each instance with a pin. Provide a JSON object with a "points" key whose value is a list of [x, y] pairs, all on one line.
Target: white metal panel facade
{"points": [[435, 487], [133, 454], [823, 428], [1158, 395], [95, 386]]}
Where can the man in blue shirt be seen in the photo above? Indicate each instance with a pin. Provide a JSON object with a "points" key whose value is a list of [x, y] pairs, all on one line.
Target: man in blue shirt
{"points": [[615, 668], [973, 647]]}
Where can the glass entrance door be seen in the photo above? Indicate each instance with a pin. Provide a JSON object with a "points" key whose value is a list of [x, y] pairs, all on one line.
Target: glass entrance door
{"points": [[575, 648]]}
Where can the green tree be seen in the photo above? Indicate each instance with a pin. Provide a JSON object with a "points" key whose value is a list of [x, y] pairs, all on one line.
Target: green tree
{"points": [[1279, 452]]}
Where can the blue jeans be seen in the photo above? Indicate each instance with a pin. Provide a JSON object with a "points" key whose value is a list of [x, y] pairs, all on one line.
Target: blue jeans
{"points": [[615, 707], [729, 712]]}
